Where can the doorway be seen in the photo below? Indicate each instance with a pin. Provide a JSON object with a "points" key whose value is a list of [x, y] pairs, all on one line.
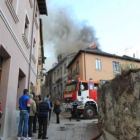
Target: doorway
{"points": [[20, 86]]}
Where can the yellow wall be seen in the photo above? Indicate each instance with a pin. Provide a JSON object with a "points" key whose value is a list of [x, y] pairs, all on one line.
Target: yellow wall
{"points": [[106, 72]]}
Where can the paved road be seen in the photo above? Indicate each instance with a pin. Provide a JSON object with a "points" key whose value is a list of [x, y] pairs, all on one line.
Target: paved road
{"points": [[71, 130]]}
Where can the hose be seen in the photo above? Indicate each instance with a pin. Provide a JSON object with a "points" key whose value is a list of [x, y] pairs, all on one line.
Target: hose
{"points": [[100, 132]]}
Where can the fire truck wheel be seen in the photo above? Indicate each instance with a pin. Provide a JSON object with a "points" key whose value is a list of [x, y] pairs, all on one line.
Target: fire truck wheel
{"points": [[89, 112]]}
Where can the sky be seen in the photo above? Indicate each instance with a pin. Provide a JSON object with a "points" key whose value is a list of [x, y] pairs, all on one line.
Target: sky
{"points": [[116, 23]]}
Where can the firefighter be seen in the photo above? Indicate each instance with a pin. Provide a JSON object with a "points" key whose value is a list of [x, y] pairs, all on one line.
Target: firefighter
{"points": [[75, 111]]}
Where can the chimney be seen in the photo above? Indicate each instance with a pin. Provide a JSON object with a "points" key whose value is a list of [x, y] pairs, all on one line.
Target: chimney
{"points": [[133, 55]]}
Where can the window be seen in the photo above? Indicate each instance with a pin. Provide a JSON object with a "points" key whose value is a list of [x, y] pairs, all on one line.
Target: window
{"points": [[77, 66], [36, 11], [58, 72], [31, 3], [70, 88], [34, 47], [57, 88], [71, 71], [91, 86], [54, 90], [61, 86], [85, 86], [116, 66], [98, 64], [25, 35], [26, 27], [54, 75], [36, 17], [65, 83], [61, 70], [64, 68]]}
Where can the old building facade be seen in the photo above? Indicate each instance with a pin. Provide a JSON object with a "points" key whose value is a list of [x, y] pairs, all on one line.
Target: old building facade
{"points": [[57, 77], [41, 61], [19, 41], [98, 65]]}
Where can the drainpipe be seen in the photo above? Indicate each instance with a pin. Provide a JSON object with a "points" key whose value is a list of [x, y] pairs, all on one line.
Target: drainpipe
{"points": [[85, 64], [29, 73]]}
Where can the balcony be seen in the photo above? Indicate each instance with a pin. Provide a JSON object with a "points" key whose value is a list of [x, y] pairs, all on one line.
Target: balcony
{"points": [[75, 74], [33, 58], [58, 77], [12, 11]]}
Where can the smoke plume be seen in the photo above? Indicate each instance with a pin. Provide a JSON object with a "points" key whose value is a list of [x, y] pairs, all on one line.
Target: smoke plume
{"points": [[64, 32]]}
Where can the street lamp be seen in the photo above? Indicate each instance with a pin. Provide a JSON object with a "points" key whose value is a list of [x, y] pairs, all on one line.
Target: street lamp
{"points": [[43, 71]]}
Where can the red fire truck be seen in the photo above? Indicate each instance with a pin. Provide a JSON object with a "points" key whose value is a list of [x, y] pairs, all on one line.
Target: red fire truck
{"points": [[86, 94]]}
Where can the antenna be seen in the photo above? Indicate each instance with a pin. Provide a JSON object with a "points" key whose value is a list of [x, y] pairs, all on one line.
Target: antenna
{"points": [[126, 49]]}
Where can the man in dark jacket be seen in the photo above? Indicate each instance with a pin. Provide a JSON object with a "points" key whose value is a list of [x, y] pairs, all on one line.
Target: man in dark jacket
{"points": [[43, 110], [75, 111]]}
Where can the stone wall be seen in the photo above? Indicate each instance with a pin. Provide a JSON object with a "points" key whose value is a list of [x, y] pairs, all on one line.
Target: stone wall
{"points": [[119, 105]]}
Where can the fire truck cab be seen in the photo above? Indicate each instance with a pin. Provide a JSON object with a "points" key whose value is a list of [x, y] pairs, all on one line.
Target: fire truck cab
{"points": [[86, 94]]}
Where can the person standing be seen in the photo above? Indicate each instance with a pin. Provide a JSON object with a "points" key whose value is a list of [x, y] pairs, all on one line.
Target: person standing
{"points": [[24, 106], [0, 115], [75, 111], [57, 110], [43, 109], [32, 114], [48, 101]]}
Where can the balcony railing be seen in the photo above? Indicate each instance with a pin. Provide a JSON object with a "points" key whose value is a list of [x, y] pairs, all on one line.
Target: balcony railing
{"points": [[75, 73]]}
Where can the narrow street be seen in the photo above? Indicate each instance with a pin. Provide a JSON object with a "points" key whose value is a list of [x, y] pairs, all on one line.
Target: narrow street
{"points": [[71, 130], [68, 55], [67, 130]]}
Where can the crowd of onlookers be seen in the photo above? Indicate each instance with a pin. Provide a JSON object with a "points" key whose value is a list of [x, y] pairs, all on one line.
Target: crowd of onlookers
{"points": [[37, 110], [34, 111]]}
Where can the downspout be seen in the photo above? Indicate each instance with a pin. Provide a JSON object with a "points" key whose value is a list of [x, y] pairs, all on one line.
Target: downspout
{"points": [[85, 64], [29, 73]]}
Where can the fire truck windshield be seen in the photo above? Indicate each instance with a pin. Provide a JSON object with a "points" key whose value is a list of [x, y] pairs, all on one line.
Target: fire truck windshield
{"points": [[70, 88]]}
